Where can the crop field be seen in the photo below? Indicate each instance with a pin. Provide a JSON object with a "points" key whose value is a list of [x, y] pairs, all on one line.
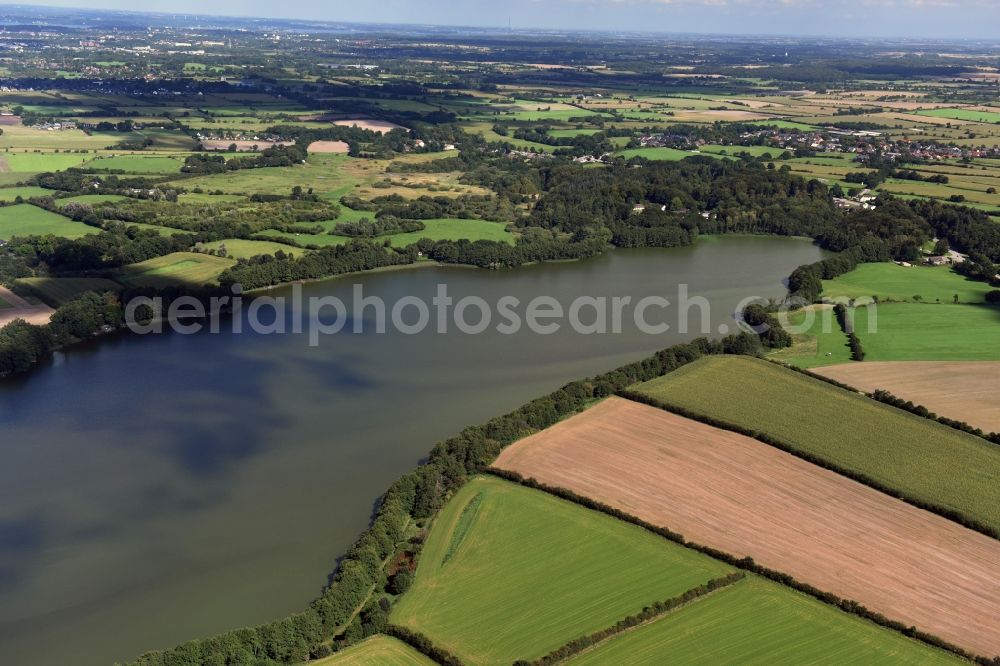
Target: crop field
{"points": [[238, 248], [816, 338], [891, 282], [929, 332], [28, 220], [761, 623], [58, 290], [962, 390], [511, 573], [137, 163], [746, 498], [183, 268], [35, 162], [928, 461], [377, 651]]}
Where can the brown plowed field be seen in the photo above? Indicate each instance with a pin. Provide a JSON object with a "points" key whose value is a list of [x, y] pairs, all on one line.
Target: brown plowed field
{"points": [[736, 494], [962, 390]]}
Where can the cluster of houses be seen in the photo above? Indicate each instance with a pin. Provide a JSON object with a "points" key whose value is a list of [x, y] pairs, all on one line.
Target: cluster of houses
{"points": [[864, 200], [55, 125]]}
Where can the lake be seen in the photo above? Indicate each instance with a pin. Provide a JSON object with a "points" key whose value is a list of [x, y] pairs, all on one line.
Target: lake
{"points": [[159, 488]]}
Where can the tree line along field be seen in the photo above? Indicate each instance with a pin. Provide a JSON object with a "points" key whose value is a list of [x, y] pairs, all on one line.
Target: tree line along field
{"points": [[729, 492], [757, 622], [925, 460], [512, 573], [817, 338]]}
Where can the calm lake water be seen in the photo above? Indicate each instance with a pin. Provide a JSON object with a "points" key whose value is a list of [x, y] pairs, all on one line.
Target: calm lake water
{"points": [[160, 488]]}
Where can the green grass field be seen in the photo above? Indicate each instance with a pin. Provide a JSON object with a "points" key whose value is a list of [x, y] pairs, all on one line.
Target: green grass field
{"points": [[179, 268], [759, 622], [926, 460], [137, 163], [529, 571], [816, 338], [90, 199], [666, 154], [56, 291], [25, 192], [438, 229], [36, 162], [782, 124], [238, 248], [929, 332], [889, 281], [963, 114], [28, 220], [455, 229], [377, 651], [756, 151]]}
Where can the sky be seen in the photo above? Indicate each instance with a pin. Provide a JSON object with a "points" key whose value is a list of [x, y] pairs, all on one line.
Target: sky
{"points": [[851, 18]]}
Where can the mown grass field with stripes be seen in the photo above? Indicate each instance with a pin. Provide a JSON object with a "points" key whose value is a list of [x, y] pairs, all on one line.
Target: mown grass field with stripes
{"points": [[56, 291], [377, 651], [183, 268], [756, 621], [523, 572]]}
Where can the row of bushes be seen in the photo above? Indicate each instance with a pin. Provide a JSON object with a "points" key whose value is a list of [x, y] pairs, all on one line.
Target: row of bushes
{"points": [[746, 564], [942, 511], [422, 644], [578, 645], [847, 326]]}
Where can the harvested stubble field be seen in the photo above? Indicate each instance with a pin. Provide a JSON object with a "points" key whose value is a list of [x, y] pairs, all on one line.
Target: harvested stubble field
{"points": [[762, 623], [961, 390], [925, 460], [724, 490], [511, 573]]}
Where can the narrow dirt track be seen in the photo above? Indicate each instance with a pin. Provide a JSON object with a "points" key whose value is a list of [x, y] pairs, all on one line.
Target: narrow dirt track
{"points": [[736, 494], [962, 390]]}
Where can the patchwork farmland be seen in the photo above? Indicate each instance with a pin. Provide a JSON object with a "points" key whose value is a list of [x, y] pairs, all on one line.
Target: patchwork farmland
{"points": [[761, 623], [919, 458], [741, 496], [960, 390], [511, 573]]}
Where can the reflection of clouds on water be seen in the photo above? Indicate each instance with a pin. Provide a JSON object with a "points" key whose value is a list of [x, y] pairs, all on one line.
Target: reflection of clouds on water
{"points": [[216, 477]]}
